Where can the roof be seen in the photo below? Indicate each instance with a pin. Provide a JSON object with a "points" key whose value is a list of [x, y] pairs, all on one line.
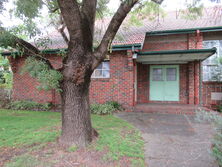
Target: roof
{"points": [[128, 34], [132, 37]]}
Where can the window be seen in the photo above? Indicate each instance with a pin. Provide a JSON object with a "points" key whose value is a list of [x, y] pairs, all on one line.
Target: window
{"points": [[212, 68], [171, 74], [102, 71], [157, 74]]}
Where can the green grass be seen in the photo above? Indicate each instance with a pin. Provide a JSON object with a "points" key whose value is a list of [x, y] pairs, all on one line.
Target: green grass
{"points": [[19, 128], [117, 138], [26, 160]]}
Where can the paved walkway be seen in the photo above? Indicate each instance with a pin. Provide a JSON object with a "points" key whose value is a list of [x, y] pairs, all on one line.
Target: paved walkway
{"points": [[173, 140]]}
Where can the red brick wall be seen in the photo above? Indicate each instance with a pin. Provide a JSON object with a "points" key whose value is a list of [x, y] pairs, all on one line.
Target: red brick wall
{"points": [[166, 42], [119, 87], [207, 89], [25, 87]]}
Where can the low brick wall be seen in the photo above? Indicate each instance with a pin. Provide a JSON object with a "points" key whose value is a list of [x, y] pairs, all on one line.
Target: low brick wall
{"points": [[207, 90]]}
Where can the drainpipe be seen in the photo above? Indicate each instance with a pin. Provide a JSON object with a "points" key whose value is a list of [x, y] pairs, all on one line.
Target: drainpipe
{"points": [[195, 86], [197, 38], [201, 84]]}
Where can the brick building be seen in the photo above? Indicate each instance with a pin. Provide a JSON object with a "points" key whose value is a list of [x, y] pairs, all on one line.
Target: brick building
{"points": [[158, 62]]}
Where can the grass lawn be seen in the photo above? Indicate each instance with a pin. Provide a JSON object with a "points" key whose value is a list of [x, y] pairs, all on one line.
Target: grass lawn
{"points": [[28, 139]]}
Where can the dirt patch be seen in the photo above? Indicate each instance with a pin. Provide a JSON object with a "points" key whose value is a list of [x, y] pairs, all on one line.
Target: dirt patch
{"points": [[81, 157], [7, 153], [58, 156]]}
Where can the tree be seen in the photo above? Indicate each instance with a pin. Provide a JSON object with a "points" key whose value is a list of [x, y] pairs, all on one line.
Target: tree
{"points": [[78, 16]]}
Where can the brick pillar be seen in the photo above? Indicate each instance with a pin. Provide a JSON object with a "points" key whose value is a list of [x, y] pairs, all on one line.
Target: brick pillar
{"points": [[196, 82], [195, 41], [131, 69], [191, 82]]}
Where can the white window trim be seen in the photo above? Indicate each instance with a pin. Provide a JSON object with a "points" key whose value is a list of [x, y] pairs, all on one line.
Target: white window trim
{"points": [[100, 77]]}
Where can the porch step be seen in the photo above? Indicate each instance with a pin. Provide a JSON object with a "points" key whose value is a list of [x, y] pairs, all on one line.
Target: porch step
{"points": [[168, 108]]}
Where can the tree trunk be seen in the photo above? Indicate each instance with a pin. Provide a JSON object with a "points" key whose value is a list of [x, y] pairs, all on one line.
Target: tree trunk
{"points": [[76, 121]]}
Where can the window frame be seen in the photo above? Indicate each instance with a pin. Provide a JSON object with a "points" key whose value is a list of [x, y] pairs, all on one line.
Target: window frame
{"points": [[175, 75], [102, 70], [154, 78], [211, 65]]}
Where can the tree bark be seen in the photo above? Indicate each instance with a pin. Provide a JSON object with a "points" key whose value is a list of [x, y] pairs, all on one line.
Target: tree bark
{"points": [[76, 121]]}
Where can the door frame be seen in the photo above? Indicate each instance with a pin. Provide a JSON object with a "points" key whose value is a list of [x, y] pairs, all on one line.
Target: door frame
{"points": [[164, 67]]}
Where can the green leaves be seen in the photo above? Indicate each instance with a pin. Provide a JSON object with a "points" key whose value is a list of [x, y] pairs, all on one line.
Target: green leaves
{"points": [[28, 8], [48, 78], [145, 10], [193, 11]]}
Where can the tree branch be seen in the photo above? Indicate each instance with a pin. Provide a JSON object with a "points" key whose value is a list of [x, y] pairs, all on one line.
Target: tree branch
{"points": [[113, 27], [64, 36], [26, 47], [158, 1], [88, 20], [61, 30], [72, 17]]}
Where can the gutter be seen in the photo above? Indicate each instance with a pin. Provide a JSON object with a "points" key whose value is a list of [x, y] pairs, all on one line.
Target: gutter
{"points": [[184, 31], [55, 51]]}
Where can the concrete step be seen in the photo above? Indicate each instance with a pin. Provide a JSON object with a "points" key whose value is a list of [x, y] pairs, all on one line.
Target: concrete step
{"points": [[168, 108]]}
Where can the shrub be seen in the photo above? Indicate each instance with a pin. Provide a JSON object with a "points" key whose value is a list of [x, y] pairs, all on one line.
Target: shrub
{"points": [[105, 109], [29, 105], [217, 140], [219, 108], [115, 104]]}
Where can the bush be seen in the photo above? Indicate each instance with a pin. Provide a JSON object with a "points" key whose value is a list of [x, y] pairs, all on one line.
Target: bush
{"points": [[105, 109], [219, 108], [29, 105], [6, 79], [115, 104], [217, 140]]}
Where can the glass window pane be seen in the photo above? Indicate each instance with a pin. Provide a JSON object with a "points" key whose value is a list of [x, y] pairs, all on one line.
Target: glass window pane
{"points": [[106, 65], [106, 74], [157, 74], [171, 74], [100, 66], [157, 71], [98, 73], [102, 71]]}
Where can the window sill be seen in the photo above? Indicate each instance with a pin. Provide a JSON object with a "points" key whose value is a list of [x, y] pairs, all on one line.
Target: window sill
{"points": [[100, 79]]}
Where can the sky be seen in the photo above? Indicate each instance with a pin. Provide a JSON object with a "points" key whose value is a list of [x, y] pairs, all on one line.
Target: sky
{"points": [[113, 5]]}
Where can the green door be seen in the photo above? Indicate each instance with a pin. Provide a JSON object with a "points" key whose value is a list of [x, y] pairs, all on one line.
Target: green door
{"points": [[164, 82]]}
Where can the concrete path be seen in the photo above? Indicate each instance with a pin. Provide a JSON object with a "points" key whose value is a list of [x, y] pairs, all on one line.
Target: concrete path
{"points": [[173, 140]]}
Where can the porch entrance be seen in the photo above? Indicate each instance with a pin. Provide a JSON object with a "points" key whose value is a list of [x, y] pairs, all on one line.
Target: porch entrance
{"points": [[164, 82]]}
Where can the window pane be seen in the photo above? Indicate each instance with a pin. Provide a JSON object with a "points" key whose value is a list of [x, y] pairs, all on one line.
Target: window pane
{"points": [[100, 66], [105, 65], [212, 66], [106, 74], [157, 74], [157, 71], [98, 73], [171, 74], [102, 71]]}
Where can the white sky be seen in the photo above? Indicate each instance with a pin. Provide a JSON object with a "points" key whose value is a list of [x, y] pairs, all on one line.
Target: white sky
{"points": [[7, 20]]}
